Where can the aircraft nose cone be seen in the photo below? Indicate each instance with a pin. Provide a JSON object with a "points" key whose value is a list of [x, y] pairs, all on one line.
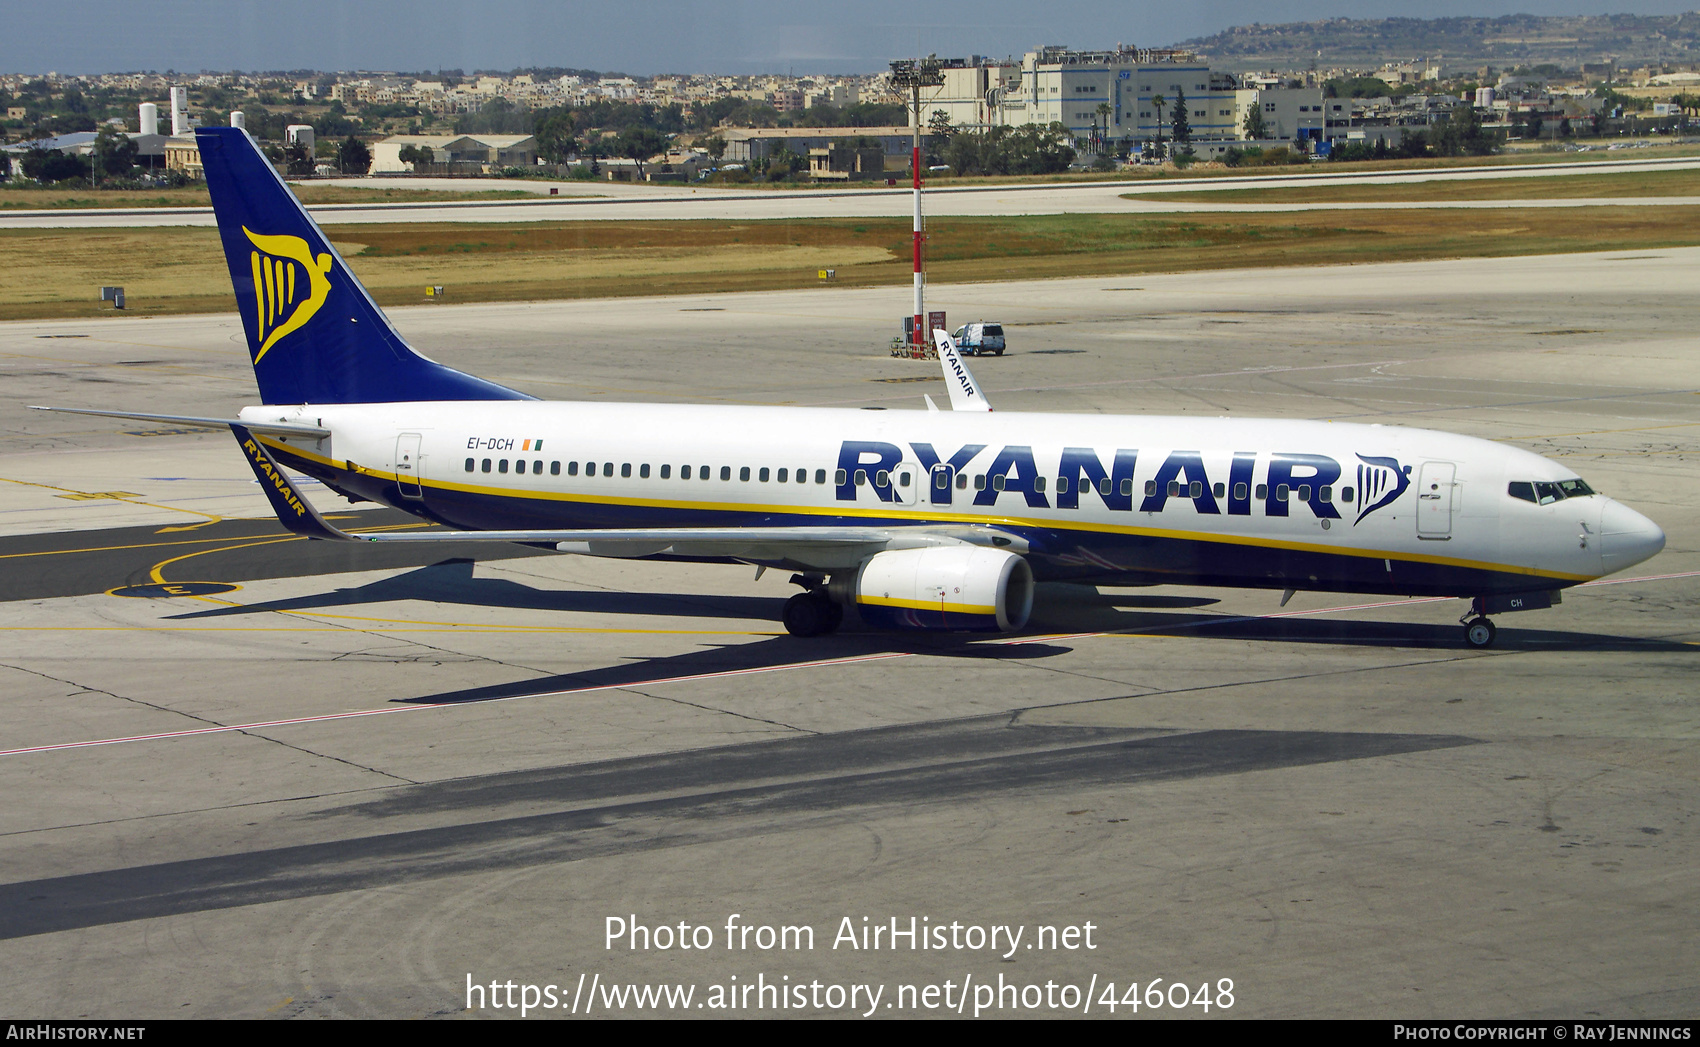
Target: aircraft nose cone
{"points": [[1627, 537]]}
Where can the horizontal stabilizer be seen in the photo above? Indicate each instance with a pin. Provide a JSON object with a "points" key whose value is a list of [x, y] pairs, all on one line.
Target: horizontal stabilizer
{"points": [[278, 428]]}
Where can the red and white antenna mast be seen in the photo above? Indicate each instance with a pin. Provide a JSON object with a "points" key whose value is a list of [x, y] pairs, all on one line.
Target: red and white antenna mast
{"points": [[911, 76]]}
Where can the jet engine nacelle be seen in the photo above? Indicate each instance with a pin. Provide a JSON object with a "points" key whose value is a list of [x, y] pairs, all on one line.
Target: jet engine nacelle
{"points": [[957, 588]]}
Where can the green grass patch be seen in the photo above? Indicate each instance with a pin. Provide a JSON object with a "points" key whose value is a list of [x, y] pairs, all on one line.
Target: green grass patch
{"points": [[56, 272]]}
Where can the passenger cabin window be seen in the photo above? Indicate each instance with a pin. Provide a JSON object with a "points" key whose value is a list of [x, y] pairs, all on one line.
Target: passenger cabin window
{"points": [[608, 468], [643, 471], [626, 471], [839, 477], [502, 466], [554, 468], [1346, 495], [486, 466], [572, 468], [469, 465], [684, 472], [763, 474], [820, 476], [667, 472], [743, 474]]}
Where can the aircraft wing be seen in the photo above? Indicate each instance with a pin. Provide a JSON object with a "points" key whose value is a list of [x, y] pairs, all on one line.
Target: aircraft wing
{"points": [[829, 547]]}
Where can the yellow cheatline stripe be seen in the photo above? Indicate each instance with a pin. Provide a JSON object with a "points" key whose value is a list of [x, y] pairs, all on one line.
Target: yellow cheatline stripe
{"points": [[899, 513], [925, 605]]}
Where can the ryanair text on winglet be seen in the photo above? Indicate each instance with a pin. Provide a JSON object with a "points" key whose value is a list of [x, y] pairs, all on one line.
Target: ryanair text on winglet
{"points": [[282, 485]]}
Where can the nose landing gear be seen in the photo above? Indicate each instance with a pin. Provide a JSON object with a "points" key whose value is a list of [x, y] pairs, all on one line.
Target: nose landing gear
{"points": [[1479, 632]]}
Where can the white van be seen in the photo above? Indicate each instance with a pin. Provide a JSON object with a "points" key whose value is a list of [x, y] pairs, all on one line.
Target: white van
{"points": [[978, 339]]}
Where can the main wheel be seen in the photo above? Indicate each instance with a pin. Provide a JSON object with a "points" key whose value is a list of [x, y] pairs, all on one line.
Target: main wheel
{"points": [[810, 614], [1479, 633]]}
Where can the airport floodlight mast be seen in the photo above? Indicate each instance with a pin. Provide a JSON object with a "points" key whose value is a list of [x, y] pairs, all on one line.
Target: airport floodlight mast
{"points": [[910, 77]]}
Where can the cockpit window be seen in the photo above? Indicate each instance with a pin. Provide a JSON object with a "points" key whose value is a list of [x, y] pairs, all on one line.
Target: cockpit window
{"points": [[1543, 492]]}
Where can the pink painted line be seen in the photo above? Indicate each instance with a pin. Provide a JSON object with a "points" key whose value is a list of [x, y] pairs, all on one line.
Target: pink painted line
{"points": [[1643, 578], [449, 705], [209, 730]]}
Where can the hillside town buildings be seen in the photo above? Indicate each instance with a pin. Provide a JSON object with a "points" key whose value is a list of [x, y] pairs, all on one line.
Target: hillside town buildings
{"points": [[1108, 103]]}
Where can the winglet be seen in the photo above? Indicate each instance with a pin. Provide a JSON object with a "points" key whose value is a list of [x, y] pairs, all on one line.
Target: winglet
{"points": [[965, 392], [294, 512]]}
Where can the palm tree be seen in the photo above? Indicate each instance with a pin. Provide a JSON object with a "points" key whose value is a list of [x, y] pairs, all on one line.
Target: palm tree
{"points": [[1104, 111]]}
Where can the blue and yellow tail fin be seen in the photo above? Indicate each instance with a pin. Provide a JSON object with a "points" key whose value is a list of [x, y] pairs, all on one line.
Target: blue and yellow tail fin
{"points": [[314, 334]]}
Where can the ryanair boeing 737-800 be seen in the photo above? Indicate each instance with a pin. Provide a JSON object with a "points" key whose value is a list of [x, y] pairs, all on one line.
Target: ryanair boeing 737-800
{"points": [[920, 519]]}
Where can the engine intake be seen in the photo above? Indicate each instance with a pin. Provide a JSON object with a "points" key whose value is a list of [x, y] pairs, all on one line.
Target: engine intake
{"points": [[954, 588]]}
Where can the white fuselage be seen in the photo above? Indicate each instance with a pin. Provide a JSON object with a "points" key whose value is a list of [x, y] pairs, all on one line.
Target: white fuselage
{"points": [[1260, 503]]}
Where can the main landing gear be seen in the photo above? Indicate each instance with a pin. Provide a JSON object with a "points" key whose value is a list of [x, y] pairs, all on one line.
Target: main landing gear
{"points": [[1479, 632], [812, 612]]}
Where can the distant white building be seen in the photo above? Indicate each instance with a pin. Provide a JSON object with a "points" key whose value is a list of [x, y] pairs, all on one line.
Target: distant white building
{"points": [[1108, 99], [487, 152]]}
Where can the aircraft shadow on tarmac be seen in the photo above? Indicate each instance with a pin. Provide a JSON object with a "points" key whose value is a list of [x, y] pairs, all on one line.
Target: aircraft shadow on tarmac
{"points": [[452, 582], [746, 792], [1059, 608]]}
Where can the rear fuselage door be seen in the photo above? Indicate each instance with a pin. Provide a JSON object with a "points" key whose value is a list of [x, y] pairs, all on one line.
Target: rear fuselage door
{"points": [[408, 465], [1436, 494]]}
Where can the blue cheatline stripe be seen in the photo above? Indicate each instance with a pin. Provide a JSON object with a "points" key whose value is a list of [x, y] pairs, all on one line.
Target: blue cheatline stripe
{"points": [[1059, 550]]}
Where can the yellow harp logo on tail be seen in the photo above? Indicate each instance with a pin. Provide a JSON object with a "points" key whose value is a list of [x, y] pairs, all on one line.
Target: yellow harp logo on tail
{"points": [[289, 285]]}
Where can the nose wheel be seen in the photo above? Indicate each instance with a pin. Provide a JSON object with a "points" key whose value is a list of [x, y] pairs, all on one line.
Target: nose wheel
{"points": [[1479, 633]]}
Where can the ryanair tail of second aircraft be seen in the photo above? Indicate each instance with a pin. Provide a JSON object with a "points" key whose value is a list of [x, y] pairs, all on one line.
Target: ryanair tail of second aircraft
{"points": [[919, 520]]}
